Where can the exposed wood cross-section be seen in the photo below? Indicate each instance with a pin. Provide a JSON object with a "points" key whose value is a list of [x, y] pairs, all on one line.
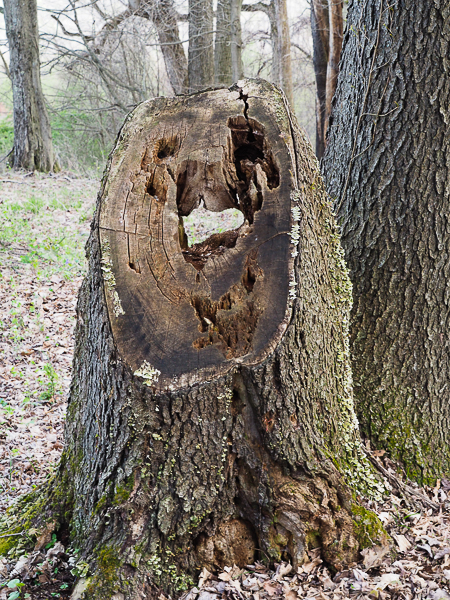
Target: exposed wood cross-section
{"points": [[179, 308]]}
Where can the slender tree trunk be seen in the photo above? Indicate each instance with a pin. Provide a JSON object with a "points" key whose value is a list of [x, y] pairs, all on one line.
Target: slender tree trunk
{"points": [[33, 148], [201, 47], [237, 67], [387, 168], [164, 16], [327, 31], [281, 47], [228, 44], [210, 417], [320, 32]]}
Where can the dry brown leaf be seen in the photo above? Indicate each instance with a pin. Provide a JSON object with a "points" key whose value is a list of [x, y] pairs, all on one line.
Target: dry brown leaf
{"points": [[373, 557], [272, 588], [402, 543], [388, 579], [309, 567], [205, 575], [46, 536]]}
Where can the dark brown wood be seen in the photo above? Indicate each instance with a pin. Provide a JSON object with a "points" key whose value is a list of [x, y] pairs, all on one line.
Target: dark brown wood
{"points": [[211, 417], [196, 312]]}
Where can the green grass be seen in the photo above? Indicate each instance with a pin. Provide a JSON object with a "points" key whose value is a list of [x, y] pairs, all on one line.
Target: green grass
{"points": [[45, 227], [6, 137]]}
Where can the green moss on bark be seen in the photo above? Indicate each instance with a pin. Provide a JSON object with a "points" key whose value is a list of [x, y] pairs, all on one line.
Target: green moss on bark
{"points": [[105, 581], [368, 528]]}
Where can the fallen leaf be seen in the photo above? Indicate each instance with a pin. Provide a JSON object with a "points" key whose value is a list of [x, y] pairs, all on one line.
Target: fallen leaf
{"points": [[308, 567], [272, 588], [204, 576], [46, 536], [402, 543], [427, 548], [439, 594], [387, 579], [373, 557], [441, 553], [282, 570]]}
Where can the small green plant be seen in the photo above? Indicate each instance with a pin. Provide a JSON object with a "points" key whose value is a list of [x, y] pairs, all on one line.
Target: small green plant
{"points": [[16, 585], [6, 137], [52, 542], [50, 381], [6, 407]]}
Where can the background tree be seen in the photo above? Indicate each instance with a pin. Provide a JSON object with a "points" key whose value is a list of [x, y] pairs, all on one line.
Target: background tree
{"points": [[104, 58], [33, 148], [386, 166], [327, 31], [211, 406], [201, 45], [164, 16], [228, 42]]}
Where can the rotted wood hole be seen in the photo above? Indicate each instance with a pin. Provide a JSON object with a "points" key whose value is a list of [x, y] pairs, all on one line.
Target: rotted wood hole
{"points": [[181, 309]]}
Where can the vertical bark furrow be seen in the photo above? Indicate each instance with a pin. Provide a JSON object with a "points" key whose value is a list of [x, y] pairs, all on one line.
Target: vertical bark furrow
{"points": [[389, 179]]}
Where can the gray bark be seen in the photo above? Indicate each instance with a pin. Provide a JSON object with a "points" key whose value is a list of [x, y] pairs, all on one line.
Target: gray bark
{"points": [[201, 46], [386, 166], [319, 30], [327, 30], [188, 445], [33, 148], [164, 16], [281, 47], [228, 43]]}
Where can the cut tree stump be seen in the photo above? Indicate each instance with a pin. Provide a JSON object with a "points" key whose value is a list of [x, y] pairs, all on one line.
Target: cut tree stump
{"points": [[211, 419], [181, 313]]}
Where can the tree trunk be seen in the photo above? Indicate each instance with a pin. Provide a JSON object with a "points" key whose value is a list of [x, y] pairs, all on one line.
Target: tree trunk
{"points": [[164, 17], [281, 47], [210, 417], [319, 31], [327, 29], [387, 167], [201, 48], [228, 44], [33, 148]]}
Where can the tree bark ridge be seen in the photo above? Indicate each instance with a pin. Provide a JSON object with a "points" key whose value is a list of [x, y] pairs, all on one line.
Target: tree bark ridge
{"points": [[387, 170]]}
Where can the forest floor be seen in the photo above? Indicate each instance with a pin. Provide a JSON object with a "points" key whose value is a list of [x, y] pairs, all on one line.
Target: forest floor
{"points": [[44, 223]]}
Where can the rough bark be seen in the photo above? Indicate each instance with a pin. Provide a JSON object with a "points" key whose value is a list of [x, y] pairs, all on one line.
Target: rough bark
{"points": [[228, 42], [281, 47], [327, 31], [201, 46], [33, 148], [387, 168], [210, 417]]}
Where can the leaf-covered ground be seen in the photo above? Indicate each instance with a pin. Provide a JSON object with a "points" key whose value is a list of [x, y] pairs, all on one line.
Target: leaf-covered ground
{"points": [[44, 222]]}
